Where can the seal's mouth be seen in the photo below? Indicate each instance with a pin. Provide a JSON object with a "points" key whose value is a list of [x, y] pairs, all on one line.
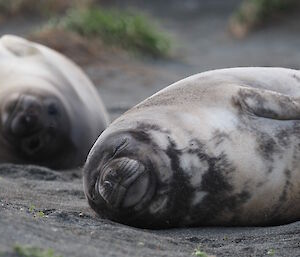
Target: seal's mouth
{"points": [[23, 116], [124, 183], [34, 143]]}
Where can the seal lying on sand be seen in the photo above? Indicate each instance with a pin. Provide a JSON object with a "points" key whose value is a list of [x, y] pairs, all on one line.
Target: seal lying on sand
{"points": [[51, 113], [221, 148]]}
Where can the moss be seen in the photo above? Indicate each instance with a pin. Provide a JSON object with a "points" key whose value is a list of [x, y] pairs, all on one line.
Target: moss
{"points": [[200, 253], [40, 214], [129, 30], [31, 208], [28, 251], [271, 252], [35, 212]]}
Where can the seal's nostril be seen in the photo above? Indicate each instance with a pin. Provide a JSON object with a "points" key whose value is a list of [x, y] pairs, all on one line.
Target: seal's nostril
{"points": [[107, 184], [123, 183], [105, 190], [24, 124], [29, 120]]}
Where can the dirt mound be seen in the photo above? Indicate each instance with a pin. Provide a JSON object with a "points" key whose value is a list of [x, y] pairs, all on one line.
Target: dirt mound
{"points": [[80, 49]]}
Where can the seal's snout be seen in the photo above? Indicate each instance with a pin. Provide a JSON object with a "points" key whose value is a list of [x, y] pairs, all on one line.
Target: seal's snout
{"points": [[124, 182], [25, 123], [26, 115]]}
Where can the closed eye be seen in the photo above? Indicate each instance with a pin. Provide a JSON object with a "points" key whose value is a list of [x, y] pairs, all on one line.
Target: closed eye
{"points": [[120, 147]]}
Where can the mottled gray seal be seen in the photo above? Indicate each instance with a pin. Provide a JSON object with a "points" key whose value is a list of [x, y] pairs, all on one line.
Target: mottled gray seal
{"points": [[221, 148], [50, 112]]}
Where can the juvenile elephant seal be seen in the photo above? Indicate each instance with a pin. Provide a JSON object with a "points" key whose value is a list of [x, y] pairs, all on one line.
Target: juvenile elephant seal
{"points": [[221, 148], [50, 112]]}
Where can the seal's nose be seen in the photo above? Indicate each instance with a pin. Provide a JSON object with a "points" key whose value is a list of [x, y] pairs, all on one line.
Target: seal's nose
{"points": [[124, 182], [26, 116], [24, 123]]}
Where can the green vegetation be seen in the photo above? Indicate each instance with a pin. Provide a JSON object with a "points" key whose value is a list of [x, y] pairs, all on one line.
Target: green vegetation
{"points": [[126, 29], [28, 251], [12, 7], [41, 8], [31, 208], [271, 252], [35, 212], [254, 13], [40, 214], [200, 253]]}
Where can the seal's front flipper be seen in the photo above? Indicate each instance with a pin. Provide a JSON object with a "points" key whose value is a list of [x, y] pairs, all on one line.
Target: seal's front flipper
{"points": [[269, 104], [17, 46]]}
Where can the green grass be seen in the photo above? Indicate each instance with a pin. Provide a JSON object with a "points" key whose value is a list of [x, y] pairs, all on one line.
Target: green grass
{"points": [[267, 8], [263, 10], [271, 252], [28, 251], [31, 208], [255, 13], [38, 7], [129, 30], [200, 253], [40, 214], [35, 212], [10, 7]]}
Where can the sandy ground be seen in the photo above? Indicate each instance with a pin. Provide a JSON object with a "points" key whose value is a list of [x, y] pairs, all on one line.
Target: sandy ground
{"points": [[69, 227]]}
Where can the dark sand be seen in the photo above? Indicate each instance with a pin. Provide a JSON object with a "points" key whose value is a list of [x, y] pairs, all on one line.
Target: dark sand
{"points": [[71, 228], [68, 226]]}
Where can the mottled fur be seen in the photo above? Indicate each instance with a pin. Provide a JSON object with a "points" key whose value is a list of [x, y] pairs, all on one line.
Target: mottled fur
{"points": [[223, 147]]}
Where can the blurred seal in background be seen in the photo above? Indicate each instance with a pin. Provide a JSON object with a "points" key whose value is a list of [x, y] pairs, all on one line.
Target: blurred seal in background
{"points": [[51, 113], [221, 148]]}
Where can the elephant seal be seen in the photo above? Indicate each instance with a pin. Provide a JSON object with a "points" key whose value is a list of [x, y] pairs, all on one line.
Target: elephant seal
{"points": [[50, 112], [221, 148]]}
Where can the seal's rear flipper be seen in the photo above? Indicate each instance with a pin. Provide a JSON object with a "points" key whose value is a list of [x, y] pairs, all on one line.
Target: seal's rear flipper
{"points": [[269, 104], [17, 46]]}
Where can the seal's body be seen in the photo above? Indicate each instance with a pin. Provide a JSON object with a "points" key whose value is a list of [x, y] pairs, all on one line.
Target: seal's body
{"points": [[51, 113], [218, 148]]}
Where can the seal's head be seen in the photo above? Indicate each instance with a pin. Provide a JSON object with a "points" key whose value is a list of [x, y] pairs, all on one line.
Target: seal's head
{"points": [[127, 179], [34, 123]]}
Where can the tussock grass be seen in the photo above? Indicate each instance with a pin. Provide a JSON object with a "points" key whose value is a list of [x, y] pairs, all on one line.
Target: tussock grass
{"points": [[127, 29], [252, 14], [80, 49]]}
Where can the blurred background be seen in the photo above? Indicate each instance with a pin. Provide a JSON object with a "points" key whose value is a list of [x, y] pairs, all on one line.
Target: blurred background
{"points": [[131, 49]]}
